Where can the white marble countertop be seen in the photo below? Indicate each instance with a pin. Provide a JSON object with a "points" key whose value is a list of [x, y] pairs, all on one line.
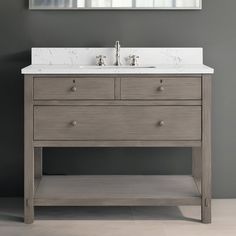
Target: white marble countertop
{"points": [[81, 61], [93, 70]]}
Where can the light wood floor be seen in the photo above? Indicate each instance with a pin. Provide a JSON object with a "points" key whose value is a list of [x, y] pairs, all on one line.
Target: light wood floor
{"points": [[120, 221]]}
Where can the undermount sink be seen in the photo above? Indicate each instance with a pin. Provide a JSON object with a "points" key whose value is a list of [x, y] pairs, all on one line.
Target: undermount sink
{"points": [[117, 67]]}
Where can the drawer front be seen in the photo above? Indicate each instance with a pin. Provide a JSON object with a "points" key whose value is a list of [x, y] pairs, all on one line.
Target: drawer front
{"points": [[73, 88], [117, 123], [161, 88]]}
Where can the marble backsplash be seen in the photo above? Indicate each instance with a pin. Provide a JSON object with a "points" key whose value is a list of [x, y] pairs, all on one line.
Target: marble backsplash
{"points": [[87, 56]]}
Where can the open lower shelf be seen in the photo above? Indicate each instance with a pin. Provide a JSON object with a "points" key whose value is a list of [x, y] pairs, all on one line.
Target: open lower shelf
{"points": [[117, 190]]}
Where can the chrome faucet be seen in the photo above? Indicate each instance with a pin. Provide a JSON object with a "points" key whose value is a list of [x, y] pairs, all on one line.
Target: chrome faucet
{"points": [[117, 47]]}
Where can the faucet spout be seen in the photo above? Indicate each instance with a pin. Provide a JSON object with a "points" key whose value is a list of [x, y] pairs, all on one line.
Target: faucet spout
{"points": [[117, 48]]}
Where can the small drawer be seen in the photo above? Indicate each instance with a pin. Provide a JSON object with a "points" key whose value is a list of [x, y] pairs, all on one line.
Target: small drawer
{"points": [[161, 88], [117, 123], [46, 88]]}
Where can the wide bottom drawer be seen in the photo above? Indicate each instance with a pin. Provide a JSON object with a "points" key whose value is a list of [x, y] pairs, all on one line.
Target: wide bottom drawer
{"points": [[117, 123]]}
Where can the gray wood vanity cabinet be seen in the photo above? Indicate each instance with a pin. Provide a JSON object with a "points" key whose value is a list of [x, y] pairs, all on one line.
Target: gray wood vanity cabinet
{"points": [[118, 111]]}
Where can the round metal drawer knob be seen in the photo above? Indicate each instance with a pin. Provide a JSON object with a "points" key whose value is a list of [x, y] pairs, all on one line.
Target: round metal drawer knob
{"points": [[74, 123], [74, 89], [161, 88], [162, 123]]}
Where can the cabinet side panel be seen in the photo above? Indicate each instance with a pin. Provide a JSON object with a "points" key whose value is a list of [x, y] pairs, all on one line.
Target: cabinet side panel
{"points": [[206, 148], [28, 150]]}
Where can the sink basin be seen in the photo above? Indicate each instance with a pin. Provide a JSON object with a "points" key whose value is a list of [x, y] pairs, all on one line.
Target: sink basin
{"points": [[117, 67]]}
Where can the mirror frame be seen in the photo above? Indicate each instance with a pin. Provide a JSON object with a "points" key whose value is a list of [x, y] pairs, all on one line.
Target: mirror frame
{"points": [[31, 7]]}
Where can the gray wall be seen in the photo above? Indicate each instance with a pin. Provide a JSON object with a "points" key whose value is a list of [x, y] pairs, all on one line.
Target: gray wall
{"points": [[213, 28]]}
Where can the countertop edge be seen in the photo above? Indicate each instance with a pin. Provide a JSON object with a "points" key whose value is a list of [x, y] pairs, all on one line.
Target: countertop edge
{"points": [[160, 69]]}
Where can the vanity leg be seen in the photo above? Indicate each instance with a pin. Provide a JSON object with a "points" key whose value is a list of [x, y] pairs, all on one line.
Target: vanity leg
{"points": [[197, 166], [28, 153], [38, 162], [29, 185], [206, 150], [38, 166]]}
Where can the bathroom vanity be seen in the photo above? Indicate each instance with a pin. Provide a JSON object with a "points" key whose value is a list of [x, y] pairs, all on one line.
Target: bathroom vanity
{"points": [[165, 101]]}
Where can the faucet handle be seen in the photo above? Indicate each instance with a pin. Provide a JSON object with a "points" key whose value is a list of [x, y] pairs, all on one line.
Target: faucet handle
{"points": [[133, 60], [101, 60]]}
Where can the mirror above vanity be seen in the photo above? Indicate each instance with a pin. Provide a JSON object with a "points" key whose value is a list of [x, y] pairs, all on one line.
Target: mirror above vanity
{"points": [[115, 4]]}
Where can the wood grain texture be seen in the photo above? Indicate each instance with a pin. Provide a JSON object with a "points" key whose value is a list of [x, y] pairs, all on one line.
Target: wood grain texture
{"points": [[46, 88], [161, 88], [117, 190], [28, 151], [161, 76], [117, 123], [197, 166], [206, 148], [36, 184], [117, 88], [38, 162], [107, 143], [119, 103]]}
